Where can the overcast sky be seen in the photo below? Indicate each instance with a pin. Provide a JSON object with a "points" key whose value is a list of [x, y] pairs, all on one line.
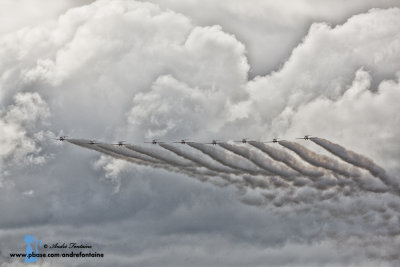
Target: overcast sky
{"points": [[201, 70]]}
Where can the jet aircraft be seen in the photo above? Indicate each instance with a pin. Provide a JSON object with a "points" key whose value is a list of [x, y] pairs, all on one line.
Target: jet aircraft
{"points": [[154, 142], [306, 137], [183, 142], [244, 141], [62, 138], [213, 142], [120, 143], [275, 140]]}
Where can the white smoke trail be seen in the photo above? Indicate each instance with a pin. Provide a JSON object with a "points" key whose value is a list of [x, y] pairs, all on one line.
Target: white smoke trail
{"points": [[127, 152], [220, 170], [279, 199], [137, 160], [161, 155], [146, 160], [281, 196], [319, 160], [199, 160], [342, 203], [247, 170], [289, 160], [357, 160], [173, 160], [320, 179], [261, 162], [331, 164], [106, 149], [229, 160]]}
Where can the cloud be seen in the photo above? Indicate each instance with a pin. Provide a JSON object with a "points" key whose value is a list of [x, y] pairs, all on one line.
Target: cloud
{"points": [[18, 14], [269, 29], [372, 112], [171, 108], [340, 51], [20, 133]]}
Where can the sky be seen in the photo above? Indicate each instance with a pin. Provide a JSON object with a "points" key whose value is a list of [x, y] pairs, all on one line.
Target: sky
{"points": [[201, 70]]}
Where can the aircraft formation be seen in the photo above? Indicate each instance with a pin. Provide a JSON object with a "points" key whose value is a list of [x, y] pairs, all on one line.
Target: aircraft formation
{"points": [[223, 162], [185, 141]]}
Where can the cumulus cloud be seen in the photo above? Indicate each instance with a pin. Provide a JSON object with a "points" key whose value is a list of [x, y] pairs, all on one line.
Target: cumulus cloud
{"points": [[269, 29], [18, 14], [20, 132], [340, 51], [172, 108], [374, 113]]}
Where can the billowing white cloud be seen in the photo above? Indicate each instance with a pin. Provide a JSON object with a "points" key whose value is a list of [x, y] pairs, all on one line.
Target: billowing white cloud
{"points": [[22, 13], [270, 29], [325, 62], [172, 109], [362, 118], [20, 132]]}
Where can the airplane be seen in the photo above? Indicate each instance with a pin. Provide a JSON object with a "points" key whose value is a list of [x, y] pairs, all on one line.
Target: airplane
{"points": [[244, 141], [306, 137], [154, 142], [61, 138], [275, 140], [92, 142], [120, 143], [183, 141], [213, 142]]}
